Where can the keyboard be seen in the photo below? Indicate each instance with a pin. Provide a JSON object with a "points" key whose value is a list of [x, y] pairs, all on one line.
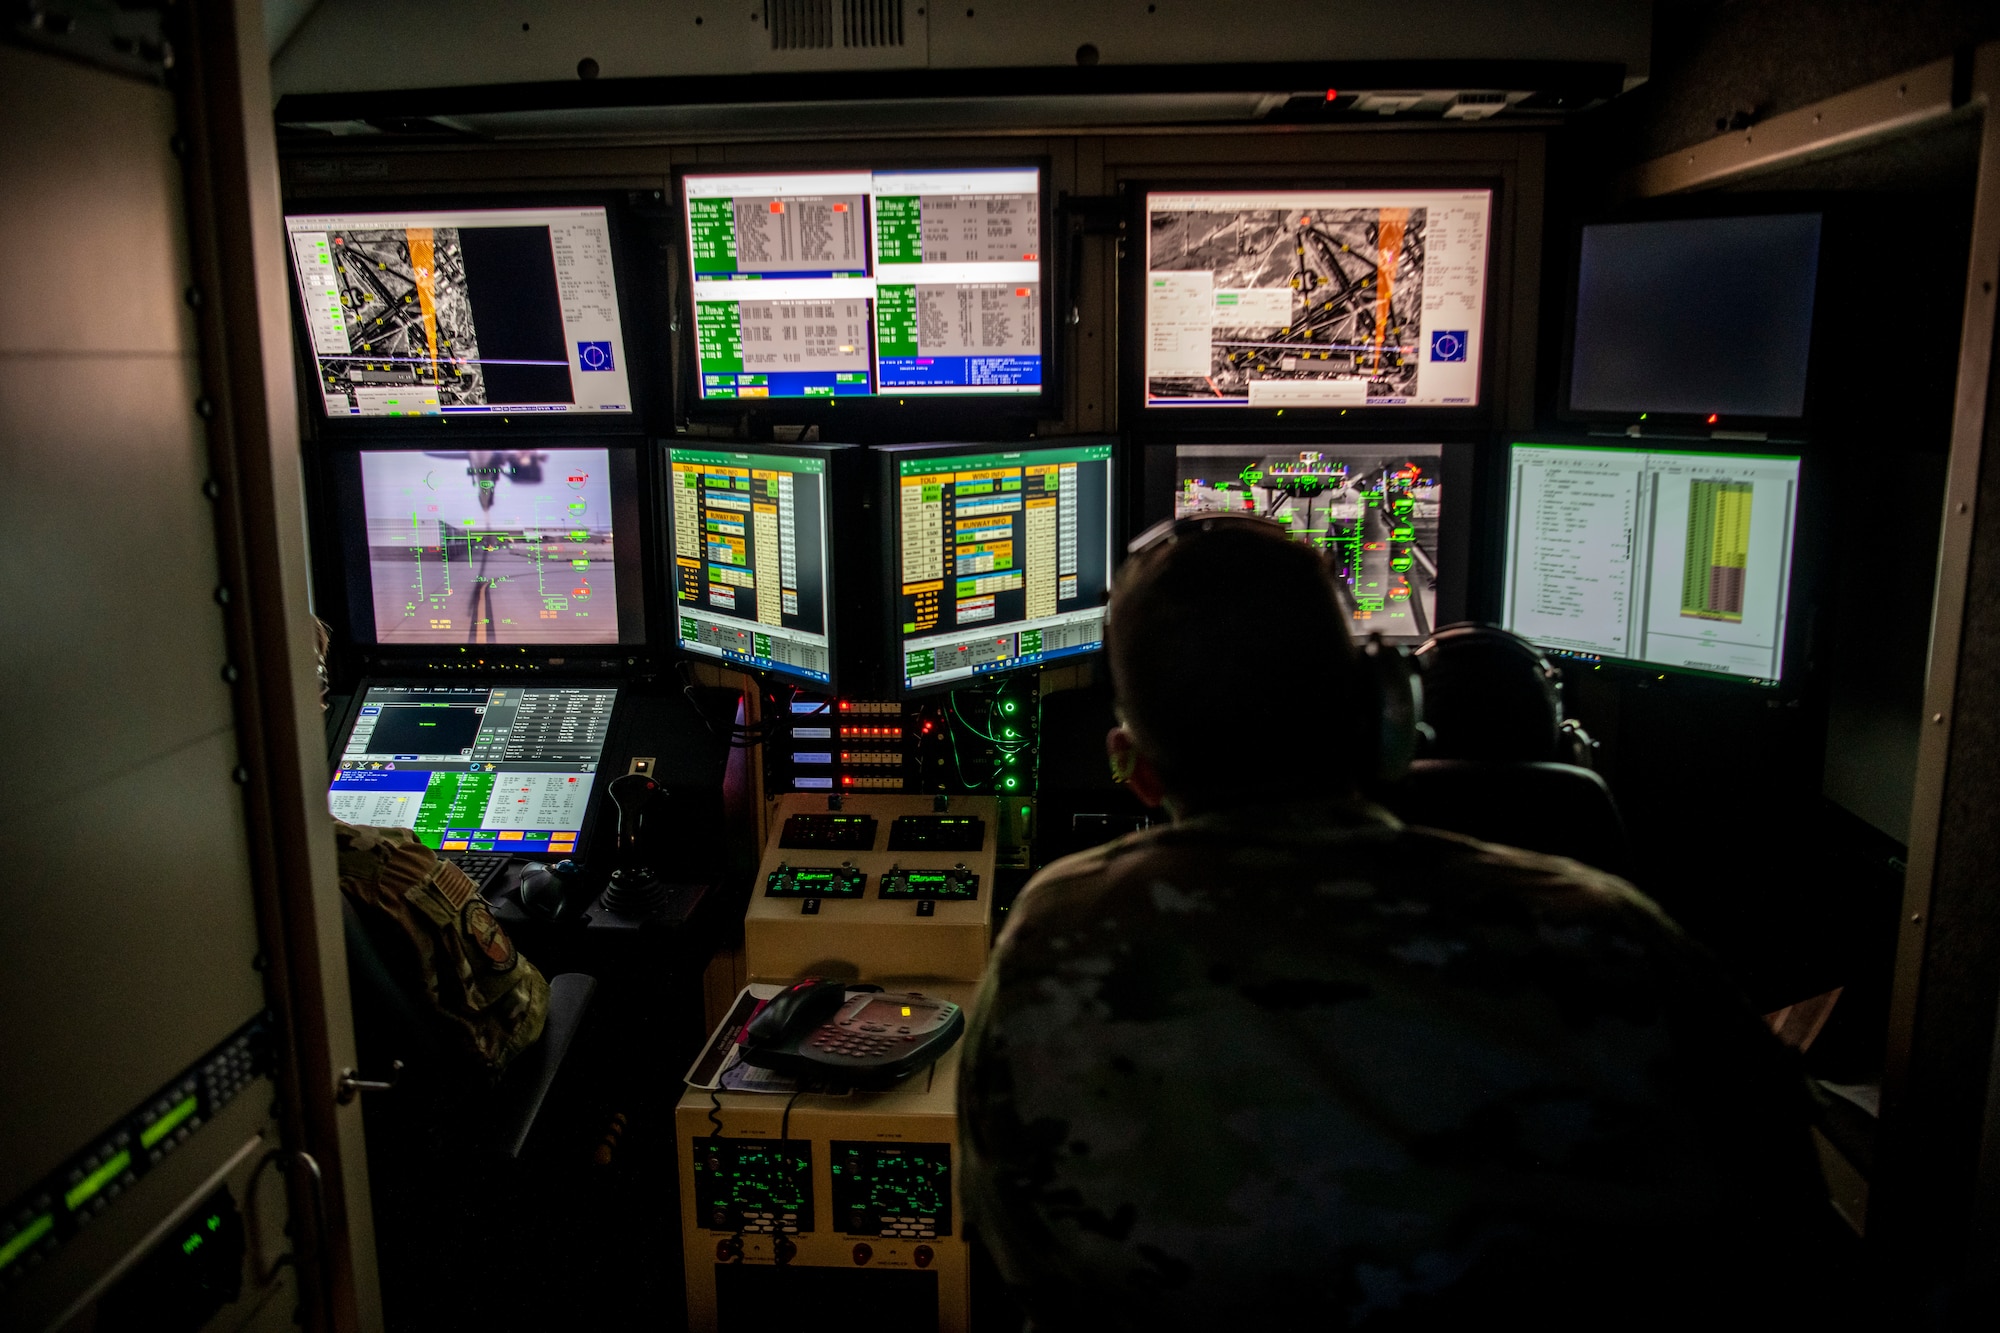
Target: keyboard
{"points": [[482, 868]]}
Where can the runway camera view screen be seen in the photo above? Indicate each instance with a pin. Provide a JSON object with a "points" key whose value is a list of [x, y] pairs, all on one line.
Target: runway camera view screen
{"points": [[1323, 298], [1372, 508], [1680, 560], [502, 547], [849, 284], [462, 313]]}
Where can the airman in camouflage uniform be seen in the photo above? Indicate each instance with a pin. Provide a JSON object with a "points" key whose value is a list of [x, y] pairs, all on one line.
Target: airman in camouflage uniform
{"points": [[493, 999], [1289, 1060]]}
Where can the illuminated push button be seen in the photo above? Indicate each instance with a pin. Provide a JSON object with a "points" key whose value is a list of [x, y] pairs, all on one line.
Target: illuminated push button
{"points": [[863, 1252]]}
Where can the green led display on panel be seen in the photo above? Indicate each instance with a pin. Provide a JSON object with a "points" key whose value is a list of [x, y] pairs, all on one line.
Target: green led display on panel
{"points": [[718, 336], [898, 230], [896, 320]]}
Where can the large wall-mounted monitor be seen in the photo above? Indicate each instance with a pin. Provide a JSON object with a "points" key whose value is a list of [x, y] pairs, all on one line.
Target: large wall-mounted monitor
{"points": [[476, 767], [752, 574], [522, 547], [1708, 318], [902, 286], [1311, 299], [999, 557], [1678, 560], [462, 312], [1376, 510]]}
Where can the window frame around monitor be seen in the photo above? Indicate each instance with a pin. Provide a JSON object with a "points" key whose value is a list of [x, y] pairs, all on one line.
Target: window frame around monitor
{"points": [[1279, 424], [890, 583], [346, 591], [1788, 431], [644, 318], [669, 585], [1796, 674], [875, 418]]}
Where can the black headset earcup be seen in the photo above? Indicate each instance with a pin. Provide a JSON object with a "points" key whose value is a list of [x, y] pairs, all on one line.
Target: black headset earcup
{"points": [[1394, 688]]}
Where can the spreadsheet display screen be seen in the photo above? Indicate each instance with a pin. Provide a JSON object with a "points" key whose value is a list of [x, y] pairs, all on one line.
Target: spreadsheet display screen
{"points": [[749, 532], [1004, 558], [867, 283], [462, 312], [475, 768], [1680, 560]]}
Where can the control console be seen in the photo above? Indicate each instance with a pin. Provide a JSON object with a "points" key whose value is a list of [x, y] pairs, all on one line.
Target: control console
{"points": [[891, 885]]}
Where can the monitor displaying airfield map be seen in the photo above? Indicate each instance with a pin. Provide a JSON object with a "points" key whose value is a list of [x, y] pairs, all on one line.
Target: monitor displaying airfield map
{"points": [[1321, 298], [466, 312]]}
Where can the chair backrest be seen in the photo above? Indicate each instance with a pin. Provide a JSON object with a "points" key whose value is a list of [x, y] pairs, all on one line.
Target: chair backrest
{"points": [[1558, 809]]}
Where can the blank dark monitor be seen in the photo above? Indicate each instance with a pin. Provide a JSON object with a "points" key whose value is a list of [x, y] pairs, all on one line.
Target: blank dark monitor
{"points": [[508, 547], [999, 556], [1374, 509], [462, 312], [1695, 316]]}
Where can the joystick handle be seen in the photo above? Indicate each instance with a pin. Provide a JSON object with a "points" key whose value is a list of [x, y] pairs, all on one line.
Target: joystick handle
{"points": [[632, 794]]}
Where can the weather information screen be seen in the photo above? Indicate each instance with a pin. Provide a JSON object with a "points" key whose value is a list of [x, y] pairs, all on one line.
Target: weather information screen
{"points": [[459, 313], [1323, 298], [472, 768], [1005, 559], [1373, 508], [749, 538], [838, 284], [501, 547], [1679, 560]]}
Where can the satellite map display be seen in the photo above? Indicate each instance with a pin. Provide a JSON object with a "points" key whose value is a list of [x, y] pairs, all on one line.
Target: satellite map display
{"points": [[407, 300], [1373, 508], [1328, 300]]}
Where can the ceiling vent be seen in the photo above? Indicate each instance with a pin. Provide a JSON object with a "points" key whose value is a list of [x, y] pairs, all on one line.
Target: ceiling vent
{"points": [[811, 25]]}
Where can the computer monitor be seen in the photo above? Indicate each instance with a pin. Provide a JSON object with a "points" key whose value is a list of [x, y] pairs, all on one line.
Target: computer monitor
{"points": [[1315, 298], [524, 546], [1695, 317], [1375, 509], [902, 285], [476, 768], [1000, 556], [1679, 560], [752, 573], [462, 312]]}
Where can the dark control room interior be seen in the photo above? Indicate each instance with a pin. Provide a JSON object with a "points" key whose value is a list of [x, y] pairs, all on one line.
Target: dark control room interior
{"points": [[1425, 803]]}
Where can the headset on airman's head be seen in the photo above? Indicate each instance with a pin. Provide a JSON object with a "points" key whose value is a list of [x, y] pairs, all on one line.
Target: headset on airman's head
{"points": [[1389, 684]]}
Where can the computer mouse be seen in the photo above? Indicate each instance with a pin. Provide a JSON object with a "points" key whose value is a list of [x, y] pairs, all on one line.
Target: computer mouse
{"points": [[799, 1008], [544, 888]]}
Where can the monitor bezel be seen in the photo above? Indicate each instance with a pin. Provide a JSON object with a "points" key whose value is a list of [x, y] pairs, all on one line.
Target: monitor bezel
{"points": [[1279, 423], [1156, 475], [889, 584], [835, 457], [347, 592], [877, 418], [1733, 427], [1794, 651], [642, 310], [614, 735]]}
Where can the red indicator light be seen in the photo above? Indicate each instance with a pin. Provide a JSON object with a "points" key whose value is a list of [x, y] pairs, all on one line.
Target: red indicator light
{"points": [[1020, 291], [1711, 418], [840, 208], [1332, 93], [777, 205]]}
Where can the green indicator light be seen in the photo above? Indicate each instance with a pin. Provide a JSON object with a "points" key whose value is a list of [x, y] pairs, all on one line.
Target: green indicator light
{"points": [[25, 1238], [97, 1180], [1010, 759], [1024, 812], [1008, 707], [191, 1244], [1012, 782], [167, 1123], [1012, 734]]}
